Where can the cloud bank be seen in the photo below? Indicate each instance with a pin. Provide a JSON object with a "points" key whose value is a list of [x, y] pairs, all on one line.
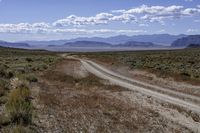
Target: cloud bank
{"points": [[138, 15]]}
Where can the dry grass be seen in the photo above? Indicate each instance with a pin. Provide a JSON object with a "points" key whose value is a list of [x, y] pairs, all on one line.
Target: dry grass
{"points": [[182, 65], [72, 104], [18, 67], [19, 105]]}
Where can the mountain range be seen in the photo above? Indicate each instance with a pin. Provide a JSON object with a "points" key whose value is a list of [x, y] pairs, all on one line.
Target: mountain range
{"points": [[193, 46], [14, 45], [103, 44], [185, 41], [87, 44], [139, 41], [161, 39]]}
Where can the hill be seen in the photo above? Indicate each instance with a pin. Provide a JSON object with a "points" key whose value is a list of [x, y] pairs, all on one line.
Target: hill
{"points": [[185, 41], [94, 44], [163, 39], [13, 45], [137, 44], [193, 46], [87, 44]]}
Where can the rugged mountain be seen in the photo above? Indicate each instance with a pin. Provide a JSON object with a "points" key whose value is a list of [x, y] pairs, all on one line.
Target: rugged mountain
{"points": [[14, 45], [162, 39], [137, 44], [185, 41], [193, 46], [104, 45], [87, 44]]}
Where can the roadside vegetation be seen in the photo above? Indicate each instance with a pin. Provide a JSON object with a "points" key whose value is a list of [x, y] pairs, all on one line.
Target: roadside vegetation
{"points": [[18, 70], [182, 65], [85, 103]]}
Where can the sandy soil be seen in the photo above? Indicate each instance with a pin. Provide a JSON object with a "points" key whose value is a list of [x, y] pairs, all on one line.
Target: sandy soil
{"points": [[125, 82], [148, 77], [70, 99]]}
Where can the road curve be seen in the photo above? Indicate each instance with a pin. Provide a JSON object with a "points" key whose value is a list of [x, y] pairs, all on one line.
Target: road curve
{"points": [[155, 92]]}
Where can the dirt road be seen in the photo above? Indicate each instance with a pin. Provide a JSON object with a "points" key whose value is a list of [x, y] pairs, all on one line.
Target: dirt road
{"points": [[169, 96]]}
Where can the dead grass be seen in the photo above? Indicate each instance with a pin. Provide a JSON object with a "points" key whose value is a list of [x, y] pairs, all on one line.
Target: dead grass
{"points": [[19, 106], [70, 104]]}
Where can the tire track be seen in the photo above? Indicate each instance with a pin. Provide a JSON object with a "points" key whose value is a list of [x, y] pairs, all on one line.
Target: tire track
{"points": [[141, 87]]}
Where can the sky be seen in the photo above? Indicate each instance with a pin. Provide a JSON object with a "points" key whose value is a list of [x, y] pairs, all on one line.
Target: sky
{"points": [[64, 19]]}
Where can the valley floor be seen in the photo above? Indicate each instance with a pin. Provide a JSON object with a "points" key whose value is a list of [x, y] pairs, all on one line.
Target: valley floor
{"points": [[69, 98], [41, 91]]}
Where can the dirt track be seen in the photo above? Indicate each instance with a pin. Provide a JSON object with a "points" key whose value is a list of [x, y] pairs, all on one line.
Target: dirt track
{"points": [[156, 92], [93, 104]]}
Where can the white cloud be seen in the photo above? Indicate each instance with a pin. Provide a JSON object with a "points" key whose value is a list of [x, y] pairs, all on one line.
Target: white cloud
{"points": [[41, 25], [161, 13], [155, 10], [101, 18], [24, 28], [190, 12], [192, 30], [141, 14], [161, 31], [95, 31], [144, 25], [44, 28], [118, 11], [188, 0], [124, 18]]}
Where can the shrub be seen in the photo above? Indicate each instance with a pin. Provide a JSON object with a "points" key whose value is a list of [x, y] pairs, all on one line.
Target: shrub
{"points": [[9, 74], [3, 87], [2, 71], [4, 120], [21, 129], [42, 67], [29, 59], [18, 106], [31, 78]]}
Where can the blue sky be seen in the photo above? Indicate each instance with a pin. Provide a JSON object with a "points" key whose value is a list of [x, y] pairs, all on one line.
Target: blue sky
{"points": [[64, 19]]}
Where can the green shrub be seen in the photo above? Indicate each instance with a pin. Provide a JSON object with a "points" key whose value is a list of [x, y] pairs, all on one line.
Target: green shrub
{"points": [[31, 78], [3, 87], [2, 71], [29, 59], [18, 106]]}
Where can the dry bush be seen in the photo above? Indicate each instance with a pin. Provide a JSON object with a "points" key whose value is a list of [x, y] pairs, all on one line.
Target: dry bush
{"points": [[31, 78], [20, 129], [19, 105], [3, 87]]}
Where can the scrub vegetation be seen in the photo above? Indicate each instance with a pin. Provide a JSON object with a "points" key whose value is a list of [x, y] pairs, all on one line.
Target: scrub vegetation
{"points": [[182, 65], [18, 70]]}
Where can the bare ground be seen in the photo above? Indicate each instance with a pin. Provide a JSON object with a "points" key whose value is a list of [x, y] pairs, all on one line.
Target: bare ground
{"points": [[69, 99], [151, 78]]}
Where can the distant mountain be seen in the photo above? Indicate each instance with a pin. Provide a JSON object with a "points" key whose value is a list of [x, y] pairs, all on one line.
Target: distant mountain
{"points": [[13, 45], [87, 44], [193, 46], [185, 41], [45, 43], [131, 44], [161, 39], [137, 44]]}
